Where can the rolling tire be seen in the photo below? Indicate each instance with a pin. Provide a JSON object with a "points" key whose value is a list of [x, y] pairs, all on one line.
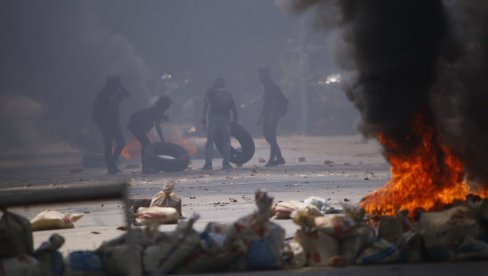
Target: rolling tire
{"points": [[246, 152], [167, 157]]}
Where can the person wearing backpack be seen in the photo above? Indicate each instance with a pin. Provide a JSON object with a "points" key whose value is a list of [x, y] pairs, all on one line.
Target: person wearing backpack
{"points": [[275, 106], [105, 114], [217, 109]]}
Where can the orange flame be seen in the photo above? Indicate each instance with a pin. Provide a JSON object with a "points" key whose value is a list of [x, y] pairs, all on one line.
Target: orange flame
{"points": [[427, 178], [131, 150]]}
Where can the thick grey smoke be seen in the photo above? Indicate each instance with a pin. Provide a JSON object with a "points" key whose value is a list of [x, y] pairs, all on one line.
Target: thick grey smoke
{"points": [[57, 54], [421, 57], [464, 89]]}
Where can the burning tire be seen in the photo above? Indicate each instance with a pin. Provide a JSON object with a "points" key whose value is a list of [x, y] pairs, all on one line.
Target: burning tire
{"points": [[243, 154], [166, 157]]}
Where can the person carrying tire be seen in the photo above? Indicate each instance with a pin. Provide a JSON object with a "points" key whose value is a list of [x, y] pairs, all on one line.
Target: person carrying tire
{"points": [[105, 114], [141, 122], [275, 106], [217, 109]]}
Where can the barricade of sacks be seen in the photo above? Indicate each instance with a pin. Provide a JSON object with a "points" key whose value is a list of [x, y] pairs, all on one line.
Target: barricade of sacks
{"points": [[253, 242], [458, 233]]}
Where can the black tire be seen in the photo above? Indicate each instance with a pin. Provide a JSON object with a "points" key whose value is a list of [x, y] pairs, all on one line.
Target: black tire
{"points": [[175, 159], [246, 152]]}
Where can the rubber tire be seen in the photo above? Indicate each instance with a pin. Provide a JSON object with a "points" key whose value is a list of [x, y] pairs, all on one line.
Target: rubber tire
{"points": [[245, 140], [153, 161]]}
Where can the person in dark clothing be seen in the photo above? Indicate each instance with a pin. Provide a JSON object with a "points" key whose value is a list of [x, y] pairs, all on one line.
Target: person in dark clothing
{"points": [[217, 108], [274, 107], [106, 116], [141, 122]]}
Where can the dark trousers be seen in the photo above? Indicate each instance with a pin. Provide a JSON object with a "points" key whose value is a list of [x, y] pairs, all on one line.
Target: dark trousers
{"points": [[218, 125], [270, 126], [110, 134], [141, 136]]}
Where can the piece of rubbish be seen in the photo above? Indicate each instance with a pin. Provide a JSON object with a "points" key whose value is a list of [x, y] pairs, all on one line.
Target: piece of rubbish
{"points": [[52, 219], [328, 163], [301, 159], [166, 198], [122, 228], [156, 215], [15, 235], [95, 232], [193, 197], [232, 199], [81, 263]]}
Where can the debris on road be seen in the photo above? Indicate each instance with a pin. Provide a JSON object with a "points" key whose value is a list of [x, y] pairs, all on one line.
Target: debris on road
{"points": [[52, 219]]}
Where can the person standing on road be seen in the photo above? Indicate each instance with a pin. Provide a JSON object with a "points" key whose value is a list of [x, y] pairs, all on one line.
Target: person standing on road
{"points": [[217, 109], [275, 106], [106, 115], [141, 122]]}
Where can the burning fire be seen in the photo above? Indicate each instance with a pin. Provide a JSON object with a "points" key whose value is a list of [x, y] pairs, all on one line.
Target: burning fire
{"points": [[131, 150], [427, 178]]}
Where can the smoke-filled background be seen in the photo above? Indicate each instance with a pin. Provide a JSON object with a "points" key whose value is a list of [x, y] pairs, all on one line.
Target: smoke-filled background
{"points": [[416, 57], [55, 55]]}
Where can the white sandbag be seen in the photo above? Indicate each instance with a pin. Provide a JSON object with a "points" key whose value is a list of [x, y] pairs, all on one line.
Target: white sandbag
{"points": [[52, 219], [23, 265], [446, 230], [319, 246], [157, 215], [166, 198]]}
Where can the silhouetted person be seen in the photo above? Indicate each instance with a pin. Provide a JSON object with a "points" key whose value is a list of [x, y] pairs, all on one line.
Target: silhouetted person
{"points": [[275, 105], [106, 116], [141, 122], [217, 108]]}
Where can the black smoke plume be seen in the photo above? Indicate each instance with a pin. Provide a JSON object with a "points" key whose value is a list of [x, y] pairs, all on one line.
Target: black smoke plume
{"points": [[425, 57]]}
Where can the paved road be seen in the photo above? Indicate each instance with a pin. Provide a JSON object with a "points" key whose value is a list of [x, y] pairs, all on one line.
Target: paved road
{"points": [[356, 169]]}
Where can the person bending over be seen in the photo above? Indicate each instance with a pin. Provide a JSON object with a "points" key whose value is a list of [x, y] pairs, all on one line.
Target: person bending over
{"points": [[141, 122]]}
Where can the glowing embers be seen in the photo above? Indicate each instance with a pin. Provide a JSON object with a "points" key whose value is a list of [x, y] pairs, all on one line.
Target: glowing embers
{"points": [[426, 177]]}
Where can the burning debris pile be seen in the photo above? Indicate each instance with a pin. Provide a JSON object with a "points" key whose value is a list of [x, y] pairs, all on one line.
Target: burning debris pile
{"points": [[418, 79]]}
